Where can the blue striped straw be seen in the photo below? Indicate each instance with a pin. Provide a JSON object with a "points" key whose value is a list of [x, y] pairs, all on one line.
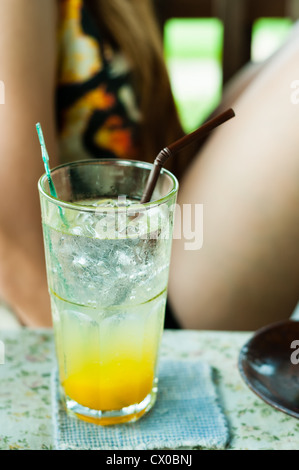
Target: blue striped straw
{"points": [[45, 157]]}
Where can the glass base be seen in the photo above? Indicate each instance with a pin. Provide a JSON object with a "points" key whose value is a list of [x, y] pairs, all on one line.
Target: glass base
{"points": [[106, 418]]}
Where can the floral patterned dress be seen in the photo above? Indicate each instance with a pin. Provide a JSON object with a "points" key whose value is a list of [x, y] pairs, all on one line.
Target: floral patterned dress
{"points": [[97, 112]]}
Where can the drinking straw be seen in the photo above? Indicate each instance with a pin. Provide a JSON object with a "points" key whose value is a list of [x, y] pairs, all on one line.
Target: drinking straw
{"points": [[45, 157], [175, 147], [46, 160]]}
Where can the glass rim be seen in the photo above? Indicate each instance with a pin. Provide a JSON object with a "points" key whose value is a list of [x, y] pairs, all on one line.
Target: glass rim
{"points": [[109, 161]]}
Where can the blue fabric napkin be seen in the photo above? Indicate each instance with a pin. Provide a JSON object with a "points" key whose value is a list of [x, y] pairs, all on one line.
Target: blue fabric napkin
{"points": [[187, 414]]}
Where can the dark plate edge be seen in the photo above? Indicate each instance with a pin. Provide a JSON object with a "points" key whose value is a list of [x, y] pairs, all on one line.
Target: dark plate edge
{"points": [[242, 359]]}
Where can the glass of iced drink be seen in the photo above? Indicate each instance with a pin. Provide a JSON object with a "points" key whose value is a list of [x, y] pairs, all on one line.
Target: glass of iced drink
{"points": [[107, 260]]}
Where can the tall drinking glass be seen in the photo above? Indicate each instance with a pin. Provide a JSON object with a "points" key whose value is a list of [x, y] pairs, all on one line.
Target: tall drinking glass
{"points": [[107, 262]]}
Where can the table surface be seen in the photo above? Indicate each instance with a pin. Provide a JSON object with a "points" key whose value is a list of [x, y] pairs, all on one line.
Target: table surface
{"points": [[25, 395]]}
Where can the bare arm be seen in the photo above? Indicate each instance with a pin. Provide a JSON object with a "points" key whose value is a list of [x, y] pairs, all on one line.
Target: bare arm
{"points": [[247, 273], [27, 69]]}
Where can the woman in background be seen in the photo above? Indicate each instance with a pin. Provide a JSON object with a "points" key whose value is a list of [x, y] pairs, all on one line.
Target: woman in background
{"points": [[93, 74], [246, 176]]}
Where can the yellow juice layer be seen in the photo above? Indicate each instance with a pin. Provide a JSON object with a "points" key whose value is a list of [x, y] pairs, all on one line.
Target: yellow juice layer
{"points": [[111, 385]]}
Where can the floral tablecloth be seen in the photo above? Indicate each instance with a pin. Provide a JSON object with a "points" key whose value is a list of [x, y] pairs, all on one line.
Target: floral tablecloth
{"points": [[25, 396]]}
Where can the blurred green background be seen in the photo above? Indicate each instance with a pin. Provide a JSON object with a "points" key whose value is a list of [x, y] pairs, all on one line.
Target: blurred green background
{"points": [[193, 50]]}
